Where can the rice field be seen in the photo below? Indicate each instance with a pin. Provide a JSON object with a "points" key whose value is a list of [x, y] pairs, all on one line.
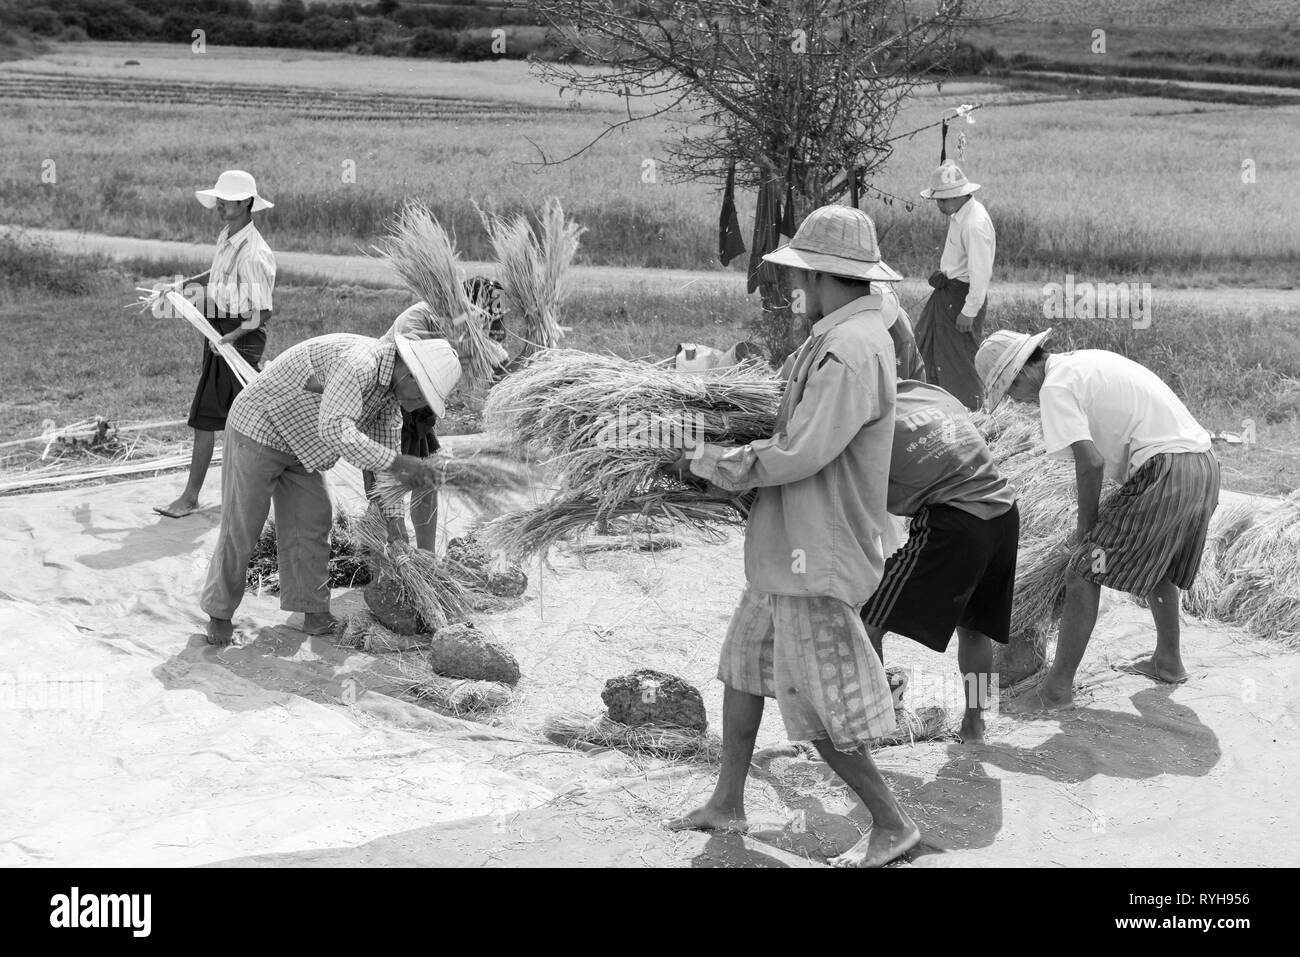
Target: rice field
{"points": [[1135, 187]]}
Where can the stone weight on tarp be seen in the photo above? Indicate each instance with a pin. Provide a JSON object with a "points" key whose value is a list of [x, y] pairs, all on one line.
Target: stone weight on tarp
{"points": [[383, 599], [462, 651], [648, 697]]}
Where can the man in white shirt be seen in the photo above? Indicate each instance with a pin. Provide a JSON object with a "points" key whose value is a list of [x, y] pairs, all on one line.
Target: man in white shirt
{"points": [[952, 322], [1118, 420]]}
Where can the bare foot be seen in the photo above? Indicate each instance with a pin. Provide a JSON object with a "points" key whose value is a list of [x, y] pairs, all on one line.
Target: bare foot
{"points": [[879, 846], [318, 622], [220, 632], [1170, 672], [180, 508], [710, 818], [1042, 698], [972, 729]]}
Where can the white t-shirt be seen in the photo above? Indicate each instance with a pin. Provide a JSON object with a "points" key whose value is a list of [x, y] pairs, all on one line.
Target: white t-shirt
{"points": [[1123, 407]]}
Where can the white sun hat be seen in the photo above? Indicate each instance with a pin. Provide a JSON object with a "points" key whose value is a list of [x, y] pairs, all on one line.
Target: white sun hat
{"points": [[435, 367], [948, 182], [839, 240], [233, 184], [999, 360]]}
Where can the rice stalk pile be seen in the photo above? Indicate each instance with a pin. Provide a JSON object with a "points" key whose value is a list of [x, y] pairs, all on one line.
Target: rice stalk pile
{"points": [[1261, 568], [436, 590], [423, 255], [347, 568], [533, 266], [607, 427], [485, 480], [1227, 525], [573, 729]]}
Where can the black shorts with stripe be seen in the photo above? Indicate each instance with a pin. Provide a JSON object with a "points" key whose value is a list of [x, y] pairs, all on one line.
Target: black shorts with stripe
{"points": [[954, 570], [1153, 528]]}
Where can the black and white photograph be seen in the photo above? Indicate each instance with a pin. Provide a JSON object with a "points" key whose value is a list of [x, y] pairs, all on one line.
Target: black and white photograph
{"points": [[647, 434]]}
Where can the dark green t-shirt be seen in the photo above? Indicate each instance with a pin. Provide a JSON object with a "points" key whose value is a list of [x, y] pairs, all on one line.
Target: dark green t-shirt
{"points": [[940, 458]]}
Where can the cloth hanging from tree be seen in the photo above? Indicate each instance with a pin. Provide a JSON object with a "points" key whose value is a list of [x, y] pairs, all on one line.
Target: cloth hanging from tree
{"points": [[767, 233], [730, 242]]}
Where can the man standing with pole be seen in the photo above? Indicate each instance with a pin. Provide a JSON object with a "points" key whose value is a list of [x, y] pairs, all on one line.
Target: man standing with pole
{"points": [[952, 323]]}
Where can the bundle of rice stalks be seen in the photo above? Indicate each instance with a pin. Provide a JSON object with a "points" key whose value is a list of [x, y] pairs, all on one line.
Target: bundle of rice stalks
{"points": [[607, 427], [1229, 522], [362, 631], [533, 268], [533, 531], [485, 480], [436, 591], [573, 729], [1262, 588], [1040, 588], [929, 723], [422, 253], [457, 695], [347, 568]]}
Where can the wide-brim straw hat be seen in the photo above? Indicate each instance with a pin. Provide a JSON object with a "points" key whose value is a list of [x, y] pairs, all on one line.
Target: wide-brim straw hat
{"points": [[838, 240], [435, 367], [999, 360], [233, 184], [948, 182]]}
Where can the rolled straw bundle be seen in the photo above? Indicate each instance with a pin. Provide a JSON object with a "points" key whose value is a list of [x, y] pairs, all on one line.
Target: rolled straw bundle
{"points": [[607, 427], [456, 695], [533, 266], [575, 730], [435, 590], [422, 253]]}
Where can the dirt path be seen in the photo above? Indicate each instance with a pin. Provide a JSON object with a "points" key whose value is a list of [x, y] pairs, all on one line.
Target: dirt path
{"points": [[367, 271]]}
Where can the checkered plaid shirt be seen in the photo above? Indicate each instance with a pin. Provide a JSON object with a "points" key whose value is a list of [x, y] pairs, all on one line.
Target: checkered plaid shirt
{"points": [[357, 418]]}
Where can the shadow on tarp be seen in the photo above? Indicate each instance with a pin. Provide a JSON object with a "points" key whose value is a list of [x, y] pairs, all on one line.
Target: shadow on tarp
{"points": [[165, 538], [590, 830], [1164, 737]]}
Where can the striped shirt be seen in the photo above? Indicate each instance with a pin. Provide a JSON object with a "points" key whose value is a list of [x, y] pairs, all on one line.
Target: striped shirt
{"points": [[357, 418], [243, 273]]}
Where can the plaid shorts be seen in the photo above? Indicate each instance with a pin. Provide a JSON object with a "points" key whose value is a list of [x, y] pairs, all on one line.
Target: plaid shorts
{"points": [[1154, 527], [812, 655]]}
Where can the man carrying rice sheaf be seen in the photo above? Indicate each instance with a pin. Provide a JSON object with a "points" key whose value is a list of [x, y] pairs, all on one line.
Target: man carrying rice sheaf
{"points": [[335, 396], [1118, 420], [812, 549], [418, 438], [951, 324], [957, 569]]}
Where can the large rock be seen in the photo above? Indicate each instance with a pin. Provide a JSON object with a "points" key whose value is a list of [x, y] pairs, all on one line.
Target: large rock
{"points": [[647, 697], [393, 613], [468, 552], [462, 651], [509, 583]]}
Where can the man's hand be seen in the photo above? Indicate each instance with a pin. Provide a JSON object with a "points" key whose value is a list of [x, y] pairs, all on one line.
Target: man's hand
{"points": [[413, 471], [964, 322], [680, 467]]}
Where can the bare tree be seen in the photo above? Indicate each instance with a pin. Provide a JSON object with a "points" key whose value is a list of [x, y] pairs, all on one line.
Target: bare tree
{"points": [[800, 95]]}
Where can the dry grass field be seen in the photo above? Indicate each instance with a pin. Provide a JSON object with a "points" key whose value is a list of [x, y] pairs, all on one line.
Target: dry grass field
{"points": [[1100, 186]]}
